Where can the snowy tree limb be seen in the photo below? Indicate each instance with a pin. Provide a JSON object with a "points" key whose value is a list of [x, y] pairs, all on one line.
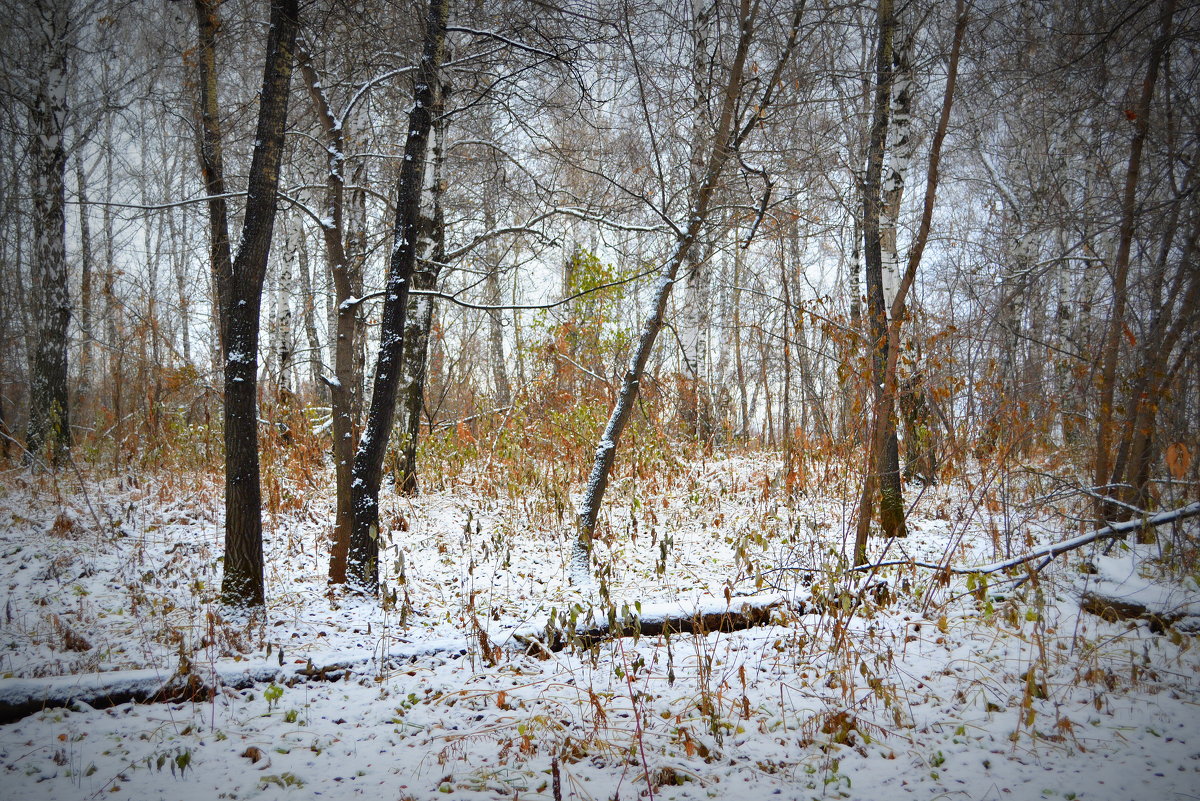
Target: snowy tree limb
{"points": [[1113, 531]]}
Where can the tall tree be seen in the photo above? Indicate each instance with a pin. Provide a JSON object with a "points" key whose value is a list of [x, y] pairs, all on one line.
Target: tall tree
{"points": [[886, 389], [211, 153], [726, 138], [883, 464], [367, 470], [49, 418], [240, 286], [1121, 260], [431, 255], [347, 283]]}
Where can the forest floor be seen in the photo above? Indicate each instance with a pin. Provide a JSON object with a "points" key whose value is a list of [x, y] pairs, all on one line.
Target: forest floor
{"points": [[944, 687]]}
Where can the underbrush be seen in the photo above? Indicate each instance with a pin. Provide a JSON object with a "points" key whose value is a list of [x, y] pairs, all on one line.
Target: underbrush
{"points": [[899, 665]]}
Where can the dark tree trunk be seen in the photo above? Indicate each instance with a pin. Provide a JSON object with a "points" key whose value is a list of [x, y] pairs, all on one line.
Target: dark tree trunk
{"points": [[1157, 365], [367, 470], [1116, 323], [883, 457], [212, 164], [240, 288]]}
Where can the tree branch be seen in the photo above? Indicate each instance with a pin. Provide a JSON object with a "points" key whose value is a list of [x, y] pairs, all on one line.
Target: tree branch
{"points": [[1113, 531]]}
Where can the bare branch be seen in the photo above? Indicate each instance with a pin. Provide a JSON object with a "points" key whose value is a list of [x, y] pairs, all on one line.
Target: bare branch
{"points": [[1114, 531]]}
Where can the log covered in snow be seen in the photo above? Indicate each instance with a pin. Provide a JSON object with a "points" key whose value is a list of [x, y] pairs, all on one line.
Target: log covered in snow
{"points": [[653, 620]]}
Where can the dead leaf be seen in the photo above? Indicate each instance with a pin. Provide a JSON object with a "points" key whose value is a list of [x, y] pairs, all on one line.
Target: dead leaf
{"points": [[1179, 460]]}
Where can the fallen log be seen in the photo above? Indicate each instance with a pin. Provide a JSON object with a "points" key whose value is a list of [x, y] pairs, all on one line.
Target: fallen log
{"points": [[1160, 617], [20, 697], [656, 620]]}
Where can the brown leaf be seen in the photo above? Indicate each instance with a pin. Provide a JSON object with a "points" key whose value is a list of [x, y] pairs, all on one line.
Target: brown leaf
{"points": [[1179, 460]]}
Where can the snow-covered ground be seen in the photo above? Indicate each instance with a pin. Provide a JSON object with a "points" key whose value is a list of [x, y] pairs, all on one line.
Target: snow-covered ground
{"points": [[940, 688]]}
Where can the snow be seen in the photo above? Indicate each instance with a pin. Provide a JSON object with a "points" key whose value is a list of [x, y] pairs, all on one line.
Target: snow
{"points": [[947, 690]]}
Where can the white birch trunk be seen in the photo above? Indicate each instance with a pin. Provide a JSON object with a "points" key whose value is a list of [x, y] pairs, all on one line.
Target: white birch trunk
{"points": [[895, 169]]}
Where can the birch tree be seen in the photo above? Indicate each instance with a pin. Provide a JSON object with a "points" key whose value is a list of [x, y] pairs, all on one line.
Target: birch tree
{"points": [[49, 413], [883, 464], [727, 135], [889, 342]]}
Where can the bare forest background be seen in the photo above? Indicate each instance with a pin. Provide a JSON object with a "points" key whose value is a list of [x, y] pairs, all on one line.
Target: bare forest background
{"points": [[377, 243]]}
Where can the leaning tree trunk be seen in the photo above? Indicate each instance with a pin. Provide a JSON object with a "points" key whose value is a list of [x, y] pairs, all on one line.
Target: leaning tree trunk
{"points": [[241, 288], [49, 423], [725, 141], [367, 470]]}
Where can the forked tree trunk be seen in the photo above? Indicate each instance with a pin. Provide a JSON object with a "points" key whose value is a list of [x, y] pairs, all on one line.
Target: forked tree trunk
{"points": [[431, 256], [241, 288], [883, 457], [1156, 369], [1116, 323], [886, 389]]}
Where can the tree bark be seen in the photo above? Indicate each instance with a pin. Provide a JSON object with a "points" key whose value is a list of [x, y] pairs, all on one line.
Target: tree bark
{"points": [[367, 470], [212, 162], [883, 458], [240, 288], [431, 255], [502, 389], [49, 431], [887, 388], [725, 141], [1176, 315], [315, 351], [1116, 323], [86, 292]]}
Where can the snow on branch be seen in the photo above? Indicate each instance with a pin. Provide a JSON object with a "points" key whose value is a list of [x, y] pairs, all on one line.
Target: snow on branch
{"points": [[1048, 552]]}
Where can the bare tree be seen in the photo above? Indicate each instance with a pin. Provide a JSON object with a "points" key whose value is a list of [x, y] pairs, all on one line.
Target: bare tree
{"points": [[240, 284], [727, 135], [367, 470], [1117, 322], [49, 413]]}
